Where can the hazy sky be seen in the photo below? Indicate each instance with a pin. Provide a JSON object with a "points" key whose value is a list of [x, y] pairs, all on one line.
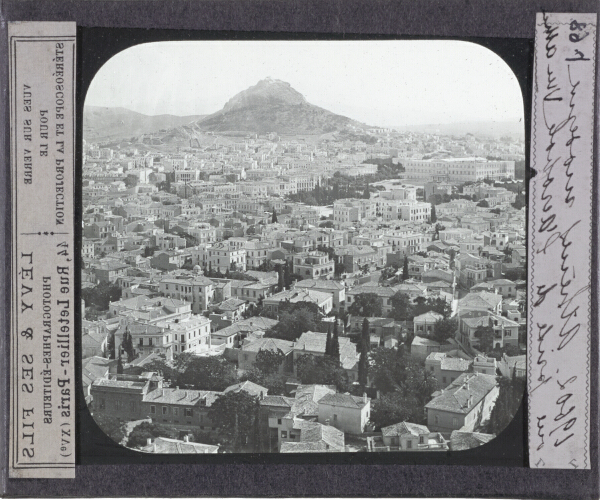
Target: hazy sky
{"points": [[381, 83]]}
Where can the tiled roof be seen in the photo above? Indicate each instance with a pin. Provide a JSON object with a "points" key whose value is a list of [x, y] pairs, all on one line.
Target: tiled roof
{"points": [[455, 364], [403, 428], [231, 304], [312, 432], [424, 341], [269, 344], [181, 397], [321, 284], [345, 400], [429, 317], [462, 395], [280, 401], [315, 342], [249, 387], [460, 440]]}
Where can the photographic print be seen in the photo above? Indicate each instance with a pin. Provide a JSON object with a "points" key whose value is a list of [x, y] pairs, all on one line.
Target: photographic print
{"points": [[300, 247]]}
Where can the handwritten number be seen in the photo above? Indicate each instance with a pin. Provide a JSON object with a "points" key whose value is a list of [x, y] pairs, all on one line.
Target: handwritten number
{"points": [[577, 26], [580, 56], [576, 37]]}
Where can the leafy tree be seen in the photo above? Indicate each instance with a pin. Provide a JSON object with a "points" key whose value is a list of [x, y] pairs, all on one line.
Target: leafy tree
{"points": [[208, 374], [483, 203], [131, 181], [393, 408], [294, 322], [162, 368], [433, 215], [274, 382], [509, 398], [386, 369], [321, 370], [444, 329], [327, 224], [234, 414], [269, 361], [140, 434], [111, 426], [405, 269], [366, 304], [435, 304], [363, 362], [402, 308], [101, 295], [485, 334]]}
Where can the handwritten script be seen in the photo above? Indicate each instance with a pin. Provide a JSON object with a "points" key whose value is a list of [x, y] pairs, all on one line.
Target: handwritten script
{"points": [[559, 268]]}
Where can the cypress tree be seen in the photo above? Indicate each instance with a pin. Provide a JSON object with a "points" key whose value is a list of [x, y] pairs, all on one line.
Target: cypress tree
{"points": [[433, 215], [119, 365], [274, 217], [335, 343], [405, 269], [280, 280], [367, 193], [363, 362], [328, 342]]}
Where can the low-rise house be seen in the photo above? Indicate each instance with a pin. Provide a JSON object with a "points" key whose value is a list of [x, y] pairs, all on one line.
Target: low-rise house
{"points": [[313, 343], [323, 300], [337, 289], [513, 366], [424, 324], [233, 336], [506, 331], [446, 368], [248, 352], [313, 265], [422, 347], [464, 405], [406, 436], [481, 301], [304, 436], [345, 412]]}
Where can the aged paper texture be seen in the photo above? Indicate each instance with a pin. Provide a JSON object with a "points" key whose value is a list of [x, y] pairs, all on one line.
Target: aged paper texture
{"points": [[560, 223], [42, 377]]}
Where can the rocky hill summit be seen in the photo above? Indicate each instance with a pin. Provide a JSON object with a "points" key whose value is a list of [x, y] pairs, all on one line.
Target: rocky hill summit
{"points": [[274, 106]]}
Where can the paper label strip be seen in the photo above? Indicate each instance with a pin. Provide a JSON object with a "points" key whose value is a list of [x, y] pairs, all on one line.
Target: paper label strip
{"points": [[560, 225], [42, 363]]}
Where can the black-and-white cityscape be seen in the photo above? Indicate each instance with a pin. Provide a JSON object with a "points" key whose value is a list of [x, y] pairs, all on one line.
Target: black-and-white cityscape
{"points": [[271, 276]]}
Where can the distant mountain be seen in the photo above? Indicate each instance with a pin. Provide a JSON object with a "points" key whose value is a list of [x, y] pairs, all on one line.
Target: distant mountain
{"points": [[491, 129], [102, 123], [274, 106]]}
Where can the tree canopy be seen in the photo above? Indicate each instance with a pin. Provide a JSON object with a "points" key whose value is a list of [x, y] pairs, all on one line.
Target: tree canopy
{"points": [[294, 321], [444, 329], [208, 374], [234, 415], [322, 370], [268, 361], [366, 304]]}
